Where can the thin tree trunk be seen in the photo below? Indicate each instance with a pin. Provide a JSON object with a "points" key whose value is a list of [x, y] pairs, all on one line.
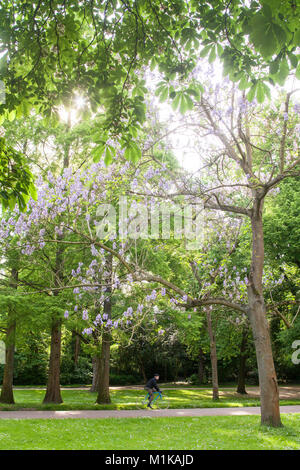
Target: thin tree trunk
{"points": [[142, 370], [269, 396], [7, 394], [201, 366], [103, 390], [53, 393], [241, 385], [76, 348], [213, 357], [96, 373]]}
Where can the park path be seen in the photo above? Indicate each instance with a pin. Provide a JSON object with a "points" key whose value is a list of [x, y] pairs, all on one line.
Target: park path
{"points": [[96, 414]]}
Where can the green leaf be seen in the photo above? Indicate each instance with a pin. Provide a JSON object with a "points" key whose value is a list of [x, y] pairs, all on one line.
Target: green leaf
{"points": [[11, 116], [274, 67], [293, 59], [212, 55], [194, 92], [97, 152], [297, 38], [189, 102], [176, 101], [220, 50], [260, 93], [283, 72], [266, 90], [244, 83], [205, 50], [108, 156], [133, 152], [251, 93], [164, 94], [263, 35]]}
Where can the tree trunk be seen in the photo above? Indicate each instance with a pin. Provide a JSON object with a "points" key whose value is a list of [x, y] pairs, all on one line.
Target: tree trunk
{"points": [[96, 373], [241, 386], [7, 394], [142, 370], [269, 396], [53, 394], [213, 357], [76, 348], [103, 390], [201, 366]]}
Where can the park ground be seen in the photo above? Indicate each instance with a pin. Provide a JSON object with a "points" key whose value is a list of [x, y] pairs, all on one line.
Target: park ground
{"points": [[203, 433], [128, 398], [167, 433]]}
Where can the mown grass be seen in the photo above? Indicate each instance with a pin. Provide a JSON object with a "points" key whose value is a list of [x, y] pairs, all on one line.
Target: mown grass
{"points": [[127, 399], [210, 433]]}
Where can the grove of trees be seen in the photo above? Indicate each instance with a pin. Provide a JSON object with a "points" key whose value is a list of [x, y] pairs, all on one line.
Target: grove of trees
{"points": [[86, 84]]}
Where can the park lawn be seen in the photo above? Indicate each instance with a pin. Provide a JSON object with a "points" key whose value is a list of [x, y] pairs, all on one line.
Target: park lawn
{"points": [[127, 399], [203, 433]]}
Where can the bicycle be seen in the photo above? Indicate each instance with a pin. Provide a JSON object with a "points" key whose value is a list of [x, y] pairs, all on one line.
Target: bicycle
{"points": [[159, 402]]}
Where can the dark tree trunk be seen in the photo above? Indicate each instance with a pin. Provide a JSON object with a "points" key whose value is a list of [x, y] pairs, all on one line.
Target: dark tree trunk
{"points": [[241, 385], [176, 369], [142, 370], [213, 357], [7, 394], [53, 394], [76, 348], [96, 374], [269, 395], [103, 390], [201, 366]]}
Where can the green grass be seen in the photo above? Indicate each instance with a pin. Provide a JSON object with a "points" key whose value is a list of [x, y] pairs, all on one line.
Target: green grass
{"points": [[218, 432], [127, 399]]}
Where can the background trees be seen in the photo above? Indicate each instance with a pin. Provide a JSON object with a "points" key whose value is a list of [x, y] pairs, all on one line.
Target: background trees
{"points": [[76, 91]]}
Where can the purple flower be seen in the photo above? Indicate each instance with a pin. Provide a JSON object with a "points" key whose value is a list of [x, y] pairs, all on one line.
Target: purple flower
{"points": [[87, 331], [153, 295], [140, 308], [85, 315], [297, 108]]}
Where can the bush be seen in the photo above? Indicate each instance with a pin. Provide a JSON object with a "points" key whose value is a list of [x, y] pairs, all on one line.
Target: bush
{"points": [[193, 379], [124, 379], [30, 369], [81, 374]]}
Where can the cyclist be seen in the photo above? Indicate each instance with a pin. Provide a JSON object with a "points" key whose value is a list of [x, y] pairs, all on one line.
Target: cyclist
{"points": [[151, 386]]}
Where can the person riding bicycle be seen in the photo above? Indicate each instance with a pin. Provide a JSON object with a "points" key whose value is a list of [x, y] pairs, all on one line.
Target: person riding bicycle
{"points": [[151, 386]]}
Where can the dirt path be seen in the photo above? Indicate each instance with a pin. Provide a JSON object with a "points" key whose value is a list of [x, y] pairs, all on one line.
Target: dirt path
{"points": [[87, 414]]}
